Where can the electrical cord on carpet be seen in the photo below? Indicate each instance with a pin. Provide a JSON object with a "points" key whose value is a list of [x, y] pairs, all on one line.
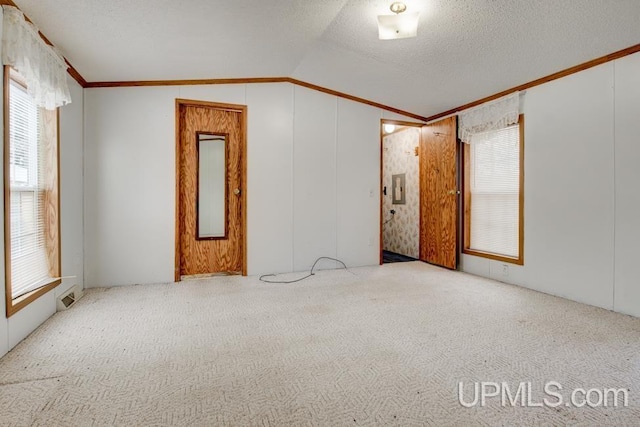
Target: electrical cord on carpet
{"points": [[311, 273]]}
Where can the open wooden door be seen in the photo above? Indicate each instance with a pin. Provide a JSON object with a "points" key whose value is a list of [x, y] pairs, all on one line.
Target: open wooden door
{"points": [[439, 193]]}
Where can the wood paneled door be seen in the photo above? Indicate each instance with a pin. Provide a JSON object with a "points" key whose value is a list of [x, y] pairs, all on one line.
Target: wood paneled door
{"points": [[439, 193], [210, 188]]}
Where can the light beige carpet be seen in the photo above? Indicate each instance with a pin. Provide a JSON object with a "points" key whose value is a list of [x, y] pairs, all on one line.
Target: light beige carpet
{"points": [[370, 346]]}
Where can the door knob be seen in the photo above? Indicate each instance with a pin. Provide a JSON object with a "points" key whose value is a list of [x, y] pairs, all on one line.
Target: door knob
{"points": [[453, 192], [236, 191]]}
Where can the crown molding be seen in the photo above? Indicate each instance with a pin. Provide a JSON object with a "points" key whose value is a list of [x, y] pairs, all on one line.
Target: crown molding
{"points": [[564, 73], [144, 83]]}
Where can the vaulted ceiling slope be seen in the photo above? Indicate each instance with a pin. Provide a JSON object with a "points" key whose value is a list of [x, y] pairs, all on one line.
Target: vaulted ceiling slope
{"points": [[465, 49]]}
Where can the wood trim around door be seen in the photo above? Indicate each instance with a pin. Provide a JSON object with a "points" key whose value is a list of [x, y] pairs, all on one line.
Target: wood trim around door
{"points": [[382, 135], [243, 175]]}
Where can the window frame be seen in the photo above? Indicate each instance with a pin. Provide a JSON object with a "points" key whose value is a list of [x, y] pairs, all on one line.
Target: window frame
{"points": [[13, 305], [466, 206]]}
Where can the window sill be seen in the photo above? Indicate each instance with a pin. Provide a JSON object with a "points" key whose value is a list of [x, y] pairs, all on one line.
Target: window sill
{"points": [[16, 304], [495, 257]]}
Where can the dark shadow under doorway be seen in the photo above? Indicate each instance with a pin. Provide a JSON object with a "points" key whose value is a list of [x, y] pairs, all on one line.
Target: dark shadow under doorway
{"points": [[388, 257]]}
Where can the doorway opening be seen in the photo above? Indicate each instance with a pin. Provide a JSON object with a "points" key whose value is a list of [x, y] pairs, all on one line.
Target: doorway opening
{"points": [[419, 192], [400, 198]]}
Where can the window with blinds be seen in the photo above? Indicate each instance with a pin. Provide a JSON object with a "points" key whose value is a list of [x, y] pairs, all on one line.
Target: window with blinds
{"points": [[32, 173], [493, 200]]}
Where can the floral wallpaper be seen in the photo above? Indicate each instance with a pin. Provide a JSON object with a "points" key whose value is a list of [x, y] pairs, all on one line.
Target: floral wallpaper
{"points": [[401, 235]]}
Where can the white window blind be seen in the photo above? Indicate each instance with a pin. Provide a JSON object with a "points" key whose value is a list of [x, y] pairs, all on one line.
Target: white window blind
{"points": [[495, 192], [29, 264]]}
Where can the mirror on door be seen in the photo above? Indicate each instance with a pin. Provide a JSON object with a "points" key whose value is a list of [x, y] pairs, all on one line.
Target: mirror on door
{"points": [[211, 199]]}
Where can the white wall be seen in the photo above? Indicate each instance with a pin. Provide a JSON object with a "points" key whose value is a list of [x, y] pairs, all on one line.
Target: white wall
{"points": [[358, 183], [22, 323], [581, 197], [72, 189], [25, 321], [314, 177], [129, 185], [270, 177], [313, 185], [4, 329], [627, 180]]}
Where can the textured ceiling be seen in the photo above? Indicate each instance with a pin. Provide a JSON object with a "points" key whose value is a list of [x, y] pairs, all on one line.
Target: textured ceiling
{"points": [[465, 49]]}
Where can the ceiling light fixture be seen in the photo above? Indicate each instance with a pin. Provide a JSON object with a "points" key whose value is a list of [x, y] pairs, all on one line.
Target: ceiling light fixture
{"points": [[389, 127], [399, 26], [398, 7]]}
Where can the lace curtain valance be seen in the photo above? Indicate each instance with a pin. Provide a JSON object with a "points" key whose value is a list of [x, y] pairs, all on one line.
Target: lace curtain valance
{"points": [[44, 69], [489, 116]]}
